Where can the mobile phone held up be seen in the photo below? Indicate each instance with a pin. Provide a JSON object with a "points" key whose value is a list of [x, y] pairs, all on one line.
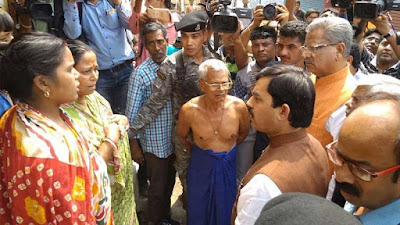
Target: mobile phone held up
{"points": [[159, 14]]}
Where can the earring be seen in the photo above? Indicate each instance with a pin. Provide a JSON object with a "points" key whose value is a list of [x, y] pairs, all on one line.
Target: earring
{"points": [[47, 94]]}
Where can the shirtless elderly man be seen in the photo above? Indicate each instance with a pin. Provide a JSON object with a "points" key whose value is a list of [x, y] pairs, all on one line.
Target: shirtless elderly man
{"points": [[218, 123]]}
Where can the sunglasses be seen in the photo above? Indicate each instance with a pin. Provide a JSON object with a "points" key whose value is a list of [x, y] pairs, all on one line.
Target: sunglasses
{"points": [[356, 170]]}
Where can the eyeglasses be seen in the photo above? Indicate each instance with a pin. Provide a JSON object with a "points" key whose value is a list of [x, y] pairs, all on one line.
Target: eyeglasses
{"points": [[223, 86], [374, 39], [357, 171], [314, 48]]}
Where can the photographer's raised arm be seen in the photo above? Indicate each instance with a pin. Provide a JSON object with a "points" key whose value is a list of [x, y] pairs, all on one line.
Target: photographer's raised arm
{"points": [[362, 25], [258, 16], [383, 26], [138, 6], [241, 57], [289, 4], [284, 16], [72, 26], [124, 11]]}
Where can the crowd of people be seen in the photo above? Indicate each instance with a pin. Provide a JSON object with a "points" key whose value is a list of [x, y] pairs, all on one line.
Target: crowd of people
{"points": [[294, 120]]}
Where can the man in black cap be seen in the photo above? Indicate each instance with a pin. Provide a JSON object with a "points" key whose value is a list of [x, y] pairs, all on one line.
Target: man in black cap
{"points": [[178, 80]]}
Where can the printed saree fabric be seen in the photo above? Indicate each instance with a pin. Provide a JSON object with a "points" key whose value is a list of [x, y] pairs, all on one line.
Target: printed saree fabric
{"points": [[48, 174], [92, 120]]}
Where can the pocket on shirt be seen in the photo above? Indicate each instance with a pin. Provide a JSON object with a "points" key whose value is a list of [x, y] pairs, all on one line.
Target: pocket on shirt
{"points": [[111, 20], [188, 87]]}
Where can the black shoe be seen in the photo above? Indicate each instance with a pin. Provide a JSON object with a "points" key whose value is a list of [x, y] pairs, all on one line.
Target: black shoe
{"points": [[169, 222]]}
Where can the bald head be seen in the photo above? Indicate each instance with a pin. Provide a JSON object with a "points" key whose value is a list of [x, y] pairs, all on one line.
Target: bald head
{"points": [[373, 122], [369, 139]]}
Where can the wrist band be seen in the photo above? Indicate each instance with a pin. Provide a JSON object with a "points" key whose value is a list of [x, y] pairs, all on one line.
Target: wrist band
{"points": [[115, 145], [391, 32]]}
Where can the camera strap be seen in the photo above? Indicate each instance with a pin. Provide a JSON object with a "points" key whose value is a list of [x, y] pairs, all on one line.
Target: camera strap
{"points": [[180, 67]]}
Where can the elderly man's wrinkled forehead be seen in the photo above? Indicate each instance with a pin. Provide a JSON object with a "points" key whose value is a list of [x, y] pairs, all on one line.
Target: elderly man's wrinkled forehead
{"points": [[369, 86]]}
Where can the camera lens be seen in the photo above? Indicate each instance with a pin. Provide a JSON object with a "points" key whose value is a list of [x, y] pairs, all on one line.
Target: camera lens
{"points": [[270, 11]]}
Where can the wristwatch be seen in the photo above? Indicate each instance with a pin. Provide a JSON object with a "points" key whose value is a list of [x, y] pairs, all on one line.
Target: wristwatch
{"points": [[391, 32]]}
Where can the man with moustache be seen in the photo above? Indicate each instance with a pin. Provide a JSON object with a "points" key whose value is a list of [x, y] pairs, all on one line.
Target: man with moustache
{"points": [[367, 161], [218, 123], [177, 80], [263, 41], [294, 161], [288, 45], [327, 46], [155, 139], [367, 88]]}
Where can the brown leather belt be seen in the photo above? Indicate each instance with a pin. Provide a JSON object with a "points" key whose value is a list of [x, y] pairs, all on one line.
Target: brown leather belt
{"points": [[119, 66]]}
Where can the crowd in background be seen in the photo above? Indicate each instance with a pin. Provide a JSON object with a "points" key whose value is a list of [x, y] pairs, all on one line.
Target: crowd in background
{"points": [[256, 123]]}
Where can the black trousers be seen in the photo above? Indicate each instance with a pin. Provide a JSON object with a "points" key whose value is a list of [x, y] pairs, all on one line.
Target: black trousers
{"points": [[161, 174]]}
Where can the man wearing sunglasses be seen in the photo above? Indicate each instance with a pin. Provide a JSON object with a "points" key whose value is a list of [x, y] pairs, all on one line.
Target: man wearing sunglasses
{"points": [[366, 158], [218, 123]]}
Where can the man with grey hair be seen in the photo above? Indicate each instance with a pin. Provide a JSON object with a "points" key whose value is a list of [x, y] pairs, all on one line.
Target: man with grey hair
{"points": [[367, 88], [218, 122], [327, 46]]}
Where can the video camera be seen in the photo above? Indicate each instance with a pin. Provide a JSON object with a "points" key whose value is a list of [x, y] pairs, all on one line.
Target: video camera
{"points": [[368, 9], [225, 20]]}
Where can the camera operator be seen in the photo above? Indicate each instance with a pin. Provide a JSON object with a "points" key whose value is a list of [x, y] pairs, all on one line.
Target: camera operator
{"points": [[283, 16], [233, 52], [387, 57]]}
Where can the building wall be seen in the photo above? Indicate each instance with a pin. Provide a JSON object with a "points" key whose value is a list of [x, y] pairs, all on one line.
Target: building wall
{"points": [[395, 19], [314, 4]]}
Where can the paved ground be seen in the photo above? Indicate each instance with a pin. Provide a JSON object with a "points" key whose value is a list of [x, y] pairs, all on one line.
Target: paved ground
{"points": [[178, 213]]}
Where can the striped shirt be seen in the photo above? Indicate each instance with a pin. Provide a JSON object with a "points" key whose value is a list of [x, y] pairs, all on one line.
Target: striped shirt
{"points": [[155, 138]]}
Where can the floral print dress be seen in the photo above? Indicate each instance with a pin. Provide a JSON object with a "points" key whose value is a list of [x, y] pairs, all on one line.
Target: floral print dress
{"points": [[49, 175], [92, 120]]}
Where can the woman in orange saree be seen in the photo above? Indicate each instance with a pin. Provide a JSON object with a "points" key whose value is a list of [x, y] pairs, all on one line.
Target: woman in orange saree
{"points": [[49, 175]]}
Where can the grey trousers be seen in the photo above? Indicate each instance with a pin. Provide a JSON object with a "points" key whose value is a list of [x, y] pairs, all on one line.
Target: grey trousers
{"points": [[244, 155]]}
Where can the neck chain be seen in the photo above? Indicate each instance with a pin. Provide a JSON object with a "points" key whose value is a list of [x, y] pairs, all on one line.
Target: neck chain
{"points": [[220, 121]]}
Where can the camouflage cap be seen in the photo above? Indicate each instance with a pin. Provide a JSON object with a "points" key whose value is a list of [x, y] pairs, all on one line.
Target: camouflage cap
{"points": [[192, 22]]}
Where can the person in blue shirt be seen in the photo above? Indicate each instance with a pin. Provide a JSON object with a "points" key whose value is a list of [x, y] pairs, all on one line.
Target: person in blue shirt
{"points": [[155, 139], [103, 23]]}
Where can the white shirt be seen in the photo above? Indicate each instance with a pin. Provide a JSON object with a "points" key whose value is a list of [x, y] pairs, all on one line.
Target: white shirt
{"points": [[253, 197], [335, 121]]}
